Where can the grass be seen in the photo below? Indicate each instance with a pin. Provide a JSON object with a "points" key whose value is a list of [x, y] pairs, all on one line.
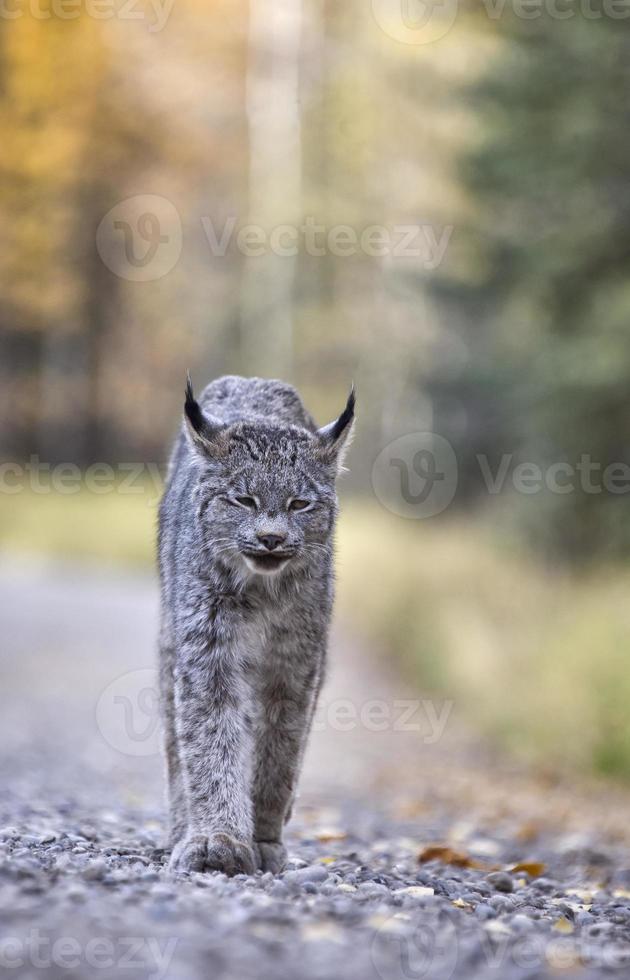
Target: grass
{"points": [[110, 526], [535, 657]]}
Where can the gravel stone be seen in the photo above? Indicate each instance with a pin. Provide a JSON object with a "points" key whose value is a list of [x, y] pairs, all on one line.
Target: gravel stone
{"points": [[501, 881], [77, 858]]}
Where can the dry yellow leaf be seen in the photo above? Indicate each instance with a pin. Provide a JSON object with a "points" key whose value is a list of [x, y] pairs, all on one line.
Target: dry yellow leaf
{"points": [[532, 868], [330, 834], [447, 855], [563, 925]]}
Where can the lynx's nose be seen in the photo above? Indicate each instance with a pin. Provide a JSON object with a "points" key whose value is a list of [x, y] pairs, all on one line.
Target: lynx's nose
{"points": [[271, 541]]}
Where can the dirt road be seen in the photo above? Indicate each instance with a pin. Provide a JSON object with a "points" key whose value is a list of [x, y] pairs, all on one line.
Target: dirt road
{"points": [[84, 891]]}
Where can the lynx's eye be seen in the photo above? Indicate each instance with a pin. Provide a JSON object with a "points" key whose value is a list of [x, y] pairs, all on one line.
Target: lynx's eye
{"points": [[299, 504], [248, 502]]}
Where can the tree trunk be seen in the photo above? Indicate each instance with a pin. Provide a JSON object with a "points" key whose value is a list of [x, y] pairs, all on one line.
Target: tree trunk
{"points": [[275, 191]]}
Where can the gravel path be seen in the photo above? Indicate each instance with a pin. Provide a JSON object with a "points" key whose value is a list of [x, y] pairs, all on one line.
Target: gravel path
{"points": [[403, 846]]}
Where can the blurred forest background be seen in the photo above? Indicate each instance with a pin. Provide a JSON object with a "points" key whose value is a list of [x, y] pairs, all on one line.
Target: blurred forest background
{"points": [[503, 147]]}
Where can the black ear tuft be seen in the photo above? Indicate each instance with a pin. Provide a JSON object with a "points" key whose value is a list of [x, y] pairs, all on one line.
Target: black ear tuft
{"points": [[191, 408], [346, 416], [335, 437], [207, 434]]}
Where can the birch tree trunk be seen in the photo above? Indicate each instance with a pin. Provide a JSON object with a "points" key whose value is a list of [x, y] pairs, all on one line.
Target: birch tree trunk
{"points": [[275, 191]]}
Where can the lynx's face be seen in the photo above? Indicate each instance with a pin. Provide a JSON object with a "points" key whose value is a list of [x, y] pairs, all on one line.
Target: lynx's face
{"points": [[267, 495], [274, 509]]}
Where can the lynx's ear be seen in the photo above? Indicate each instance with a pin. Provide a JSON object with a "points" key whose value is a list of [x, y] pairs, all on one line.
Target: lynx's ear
{"points": [[207, 435], [335, 438]]}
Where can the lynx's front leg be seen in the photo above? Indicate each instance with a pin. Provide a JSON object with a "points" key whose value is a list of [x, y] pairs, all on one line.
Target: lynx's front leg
{"points": [[288, 704], [214, 734]]}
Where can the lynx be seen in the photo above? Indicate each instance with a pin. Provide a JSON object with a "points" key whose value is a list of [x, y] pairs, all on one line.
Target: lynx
{"points": [[246, 568]]}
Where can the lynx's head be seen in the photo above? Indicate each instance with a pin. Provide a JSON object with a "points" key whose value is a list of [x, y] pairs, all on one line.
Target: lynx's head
{"points": [[266, 493]]}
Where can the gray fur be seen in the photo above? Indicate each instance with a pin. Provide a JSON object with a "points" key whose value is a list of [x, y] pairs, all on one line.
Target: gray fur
{"points": [[243, 648]]}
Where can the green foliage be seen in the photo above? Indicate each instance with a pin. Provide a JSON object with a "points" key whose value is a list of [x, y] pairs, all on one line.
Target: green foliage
{"points": [[544, 303], [536, 658]]}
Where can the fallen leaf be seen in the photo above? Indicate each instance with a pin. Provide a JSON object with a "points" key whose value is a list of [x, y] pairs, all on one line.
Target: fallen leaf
{"points": [[459, 903], [447, 855], [330, 834], [532, 868], [563, 925]]}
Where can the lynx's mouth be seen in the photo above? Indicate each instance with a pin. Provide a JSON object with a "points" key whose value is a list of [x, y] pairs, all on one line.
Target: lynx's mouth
{"points": [[266, 563]]}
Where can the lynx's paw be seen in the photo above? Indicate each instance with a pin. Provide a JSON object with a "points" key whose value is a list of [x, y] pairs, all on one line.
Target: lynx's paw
{"points": [[218, 852], [231, 856], [270, 856], [189, 854]]}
